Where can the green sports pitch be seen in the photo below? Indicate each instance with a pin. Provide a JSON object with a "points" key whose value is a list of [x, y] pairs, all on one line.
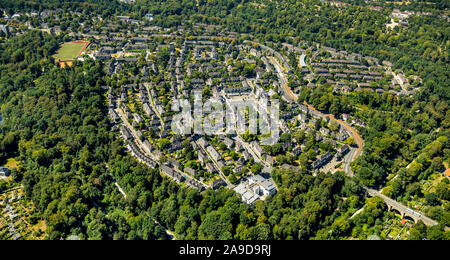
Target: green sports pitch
{"points": [[69, 51]]}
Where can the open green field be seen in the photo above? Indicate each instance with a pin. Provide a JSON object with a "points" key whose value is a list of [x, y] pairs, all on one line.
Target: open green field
{"points": [[69, 51]]}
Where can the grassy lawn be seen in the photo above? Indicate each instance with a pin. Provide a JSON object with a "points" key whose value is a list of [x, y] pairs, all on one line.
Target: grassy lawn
{"points": [[69, 51], [12, 163]]}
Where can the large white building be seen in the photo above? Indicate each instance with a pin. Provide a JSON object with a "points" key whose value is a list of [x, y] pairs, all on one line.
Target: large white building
{"points": [[266, 186], [255, 188]]}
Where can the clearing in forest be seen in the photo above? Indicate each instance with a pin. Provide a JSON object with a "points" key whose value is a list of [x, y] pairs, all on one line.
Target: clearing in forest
{"points": [[71, 50]]}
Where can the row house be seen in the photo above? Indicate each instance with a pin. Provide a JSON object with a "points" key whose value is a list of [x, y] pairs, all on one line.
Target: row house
{"points": [[210, 168], [323, 160], [126, 110], [202, 157], [191, 182], [176, 164], [342, 151], [114, 116], [171, 173], [214, 154], [126, 133], [147, 108], [216, 184]]}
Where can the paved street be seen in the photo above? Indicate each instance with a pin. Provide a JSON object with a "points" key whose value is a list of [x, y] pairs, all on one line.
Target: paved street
{"points": [[353, 133]]}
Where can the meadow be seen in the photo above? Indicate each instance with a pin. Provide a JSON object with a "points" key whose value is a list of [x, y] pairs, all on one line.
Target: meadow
{"points": [[69, 51]]}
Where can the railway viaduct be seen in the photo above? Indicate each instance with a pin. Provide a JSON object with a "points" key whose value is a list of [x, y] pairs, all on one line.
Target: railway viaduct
{"points": [[404, 211]]}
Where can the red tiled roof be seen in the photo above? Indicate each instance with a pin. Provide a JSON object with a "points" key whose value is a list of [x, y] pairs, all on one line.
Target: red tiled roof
{"points": [[447, 172]]}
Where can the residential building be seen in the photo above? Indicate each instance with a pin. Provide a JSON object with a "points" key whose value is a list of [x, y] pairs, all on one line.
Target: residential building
{"points": [[342, 151], [323, 160], [213, 153], [228, 142], [210, 168], [126, 133], [171, 173], [190, 171], [174, 163], [4, 172], [4, 28], [258, 148], [217, 184], [147, 108]]}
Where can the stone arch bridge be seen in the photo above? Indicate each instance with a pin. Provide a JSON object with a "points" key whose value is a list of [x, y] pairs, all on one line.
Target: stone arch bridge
{"points": [[404, 211]]}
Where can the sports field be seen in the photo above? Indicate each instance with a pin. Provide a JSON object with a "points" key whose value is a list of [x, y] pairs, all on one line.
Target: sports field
{"points": [[69, 51]]}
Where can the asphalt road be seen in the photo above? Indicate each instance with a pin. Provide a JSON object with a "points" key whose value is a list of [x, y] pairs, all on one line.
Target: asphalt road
{"points": [[353, 133], [358, 139]]}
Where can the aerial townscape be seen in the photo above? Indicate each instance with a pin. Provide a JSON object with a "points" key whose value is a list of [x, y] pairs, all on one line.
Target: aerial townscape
{"points": [[224, 120]]}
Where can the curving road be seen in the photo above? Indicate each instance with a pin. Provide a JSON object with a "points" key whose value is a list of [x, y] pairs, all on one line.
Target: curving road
{"points": [[353, 133], [283, 80]]}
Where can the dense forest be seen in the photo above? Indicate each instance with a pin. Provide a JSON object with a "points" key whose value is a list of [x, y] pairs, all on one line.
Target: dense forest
{"points": [[56, 125]]}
